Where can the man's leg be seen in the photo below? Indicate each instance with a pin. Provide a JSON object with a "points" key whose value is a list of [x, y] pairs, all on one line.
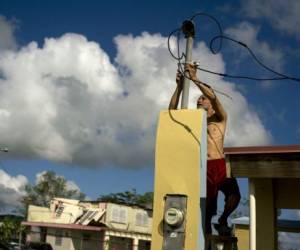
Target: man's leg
{"points": [[211, 195], [232, 198], [211, 208], [231, 204]]}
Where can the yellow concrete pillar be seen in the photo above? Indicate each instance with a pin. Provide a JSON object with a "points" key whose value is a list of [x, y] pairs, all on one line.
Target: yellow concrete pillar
{"points": [[180, 156]]}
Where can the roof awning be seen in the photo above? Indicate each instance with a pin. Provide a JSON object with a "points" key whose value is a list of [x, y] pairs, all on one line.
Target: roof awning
{"points": [[63, 226]]}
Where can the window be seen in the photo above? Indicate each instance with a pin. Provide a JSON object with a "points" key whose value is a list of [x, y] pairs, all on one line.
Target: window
{"points": [[115, 214], [122, 215], [119, 215], [141, 219], [59, 211], [86, 237]]}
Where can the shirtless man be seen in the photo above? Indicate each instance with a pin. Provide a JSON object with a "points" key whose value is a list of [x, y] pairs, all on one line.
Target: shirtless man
{"points": [[216, 166]]}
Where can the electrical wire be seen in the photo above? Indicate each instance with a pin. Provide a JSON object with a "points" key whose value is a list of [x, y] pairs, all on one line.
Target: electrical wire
{"points": [[213, 51], [242, 77], [177, 58], [207, 85], [219, 27], [283, 76]]}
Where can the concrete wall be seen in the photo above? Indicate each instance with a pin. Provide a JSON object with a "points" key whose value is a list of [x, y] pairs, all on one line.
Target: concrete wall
{"points": [[35, 234], [86, 240], [75, 240], [39, 214], [52, 238], [242, 233], [132, 219], [69, 213]]}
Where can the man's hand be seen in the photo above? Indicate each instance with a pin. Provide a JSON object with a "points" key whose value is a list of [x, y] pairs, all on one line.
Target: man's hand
{"points": [[175, 97], [190, 71], [179, 79]]}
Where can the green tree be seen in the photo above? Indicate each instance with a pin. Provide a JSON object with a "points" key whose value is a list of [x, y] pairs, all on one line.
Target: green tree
{"points": [[130, 197], [49, 186], [10, 229]]}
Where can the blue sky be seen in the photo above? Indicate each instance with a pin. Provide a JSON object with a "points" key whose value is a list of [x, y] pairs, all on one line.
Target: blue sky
{"points": [[82, 83]]}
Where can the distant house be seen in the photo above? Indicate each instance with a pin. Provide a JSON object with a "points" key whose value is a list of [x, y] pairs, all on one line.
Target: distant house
{"points": [[78, 225]]}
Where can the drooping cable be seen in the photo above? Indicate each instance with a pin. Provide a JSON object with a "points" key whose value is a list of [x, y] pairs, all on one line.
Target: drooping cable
{"points": [[282, 76], [177, 58], [219, 28], [214, 51], [241, 77]]}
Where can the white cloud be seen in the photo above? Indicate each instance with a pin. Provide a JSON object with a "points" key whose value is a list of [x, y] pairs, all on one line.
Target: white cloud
{"points": [[71, 185], [244, 126], [39, 176], [156, 80], [283, 15], [11, 190], [67, 102], [7, 28], [248, 33]]}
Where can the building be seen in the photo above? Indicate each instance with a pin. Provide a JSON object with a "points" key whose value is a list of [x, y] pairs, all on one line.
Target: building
{"points": [[274, 177], [78, 225]]}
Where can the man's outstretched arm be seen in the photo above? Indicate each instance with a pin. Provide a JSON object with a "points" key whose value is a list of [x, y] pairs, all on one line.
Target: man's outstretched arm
{"points": [[208, 92], [176, 95]]}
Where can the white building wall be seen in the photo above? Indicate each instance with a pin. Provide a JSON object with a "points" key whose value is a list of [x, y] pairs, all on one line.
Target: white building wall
{"points": [[59, 239], [127, 218], [75, 239]]}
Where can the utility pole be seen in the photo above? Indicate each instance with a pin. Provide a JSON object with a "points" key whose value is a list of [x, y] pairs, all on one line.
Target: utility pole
{"points": [[188, 28]]}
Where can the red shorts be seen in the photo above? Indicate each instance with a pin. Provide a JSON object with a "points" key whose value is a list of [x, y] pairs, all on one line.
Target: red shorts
{"points": [[216, 176], [217, 181]]}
